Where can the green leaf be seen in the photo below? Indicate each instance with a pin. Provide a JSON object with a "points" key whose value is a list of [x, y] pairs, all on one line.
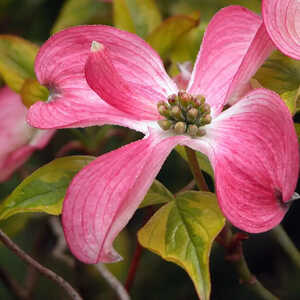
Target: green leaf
{"points": [[164, 37], [282, 75], [297, 128], [203, 161], [254, 5], [16, 60], [14, 225], [78, 12], [138, 16], [44, 189], [32, 92], [122, 17], [182, 231], [157, 194], [187, 47], [290, 99]]}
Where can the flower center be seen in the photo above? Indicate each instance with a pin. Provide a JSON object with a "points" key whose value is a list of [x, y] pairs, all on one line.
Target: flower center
{"points": [[184, 114]]}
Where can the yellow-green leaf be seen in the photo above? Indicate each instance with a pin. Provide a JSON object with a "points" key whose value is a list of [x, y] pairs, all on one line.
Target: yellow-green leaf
{"points": [[14, 225], [290, 98], [164, 38], [44, 189], [122, 17], [16, 60], [32, 92], [157, 194], [203, 161], [182, 231], [298, 100], [187, 47], [138, 16], [78, 12], [282, 75], [297, 127], [254, 5]]}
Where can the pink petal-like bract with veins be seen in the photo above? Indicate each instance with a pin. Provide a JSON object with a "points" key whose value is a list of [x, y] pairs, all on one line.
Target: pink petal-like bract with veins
{"points": [[282, 20], [232, 33], [106, 81], [60, 66], [104, 195], [255, 159], [17, 139]]}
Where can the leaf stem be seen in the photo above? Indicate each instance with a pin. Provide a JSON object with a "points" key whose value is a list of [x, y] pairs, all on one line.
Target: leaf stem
{"points": [[41, 269], [198, 175], [281, 237]]}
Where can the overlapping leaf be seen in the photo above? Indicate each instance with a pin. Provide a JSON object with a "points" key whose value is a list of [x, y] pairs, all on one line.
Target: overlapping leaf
{"points": [[164, 37], [157, 194], [16, 60], [44, 190], [138, 16], [32, 92], [78, 12], [182, 231], [282, 75], [297, 127]]}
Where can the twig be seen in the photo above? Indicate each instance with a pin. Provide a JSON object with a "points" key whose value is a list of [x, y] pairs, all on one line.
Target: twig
{"points": [[113, 282], [281, 237], [233, 245], [61, 244], [133, 267], [193, 162], [43, 270]]}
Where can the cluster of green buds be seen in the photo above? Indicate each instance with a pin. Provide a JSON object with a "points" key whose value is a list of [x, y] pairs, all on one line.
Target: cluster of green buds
{"points": [[184, 114]]}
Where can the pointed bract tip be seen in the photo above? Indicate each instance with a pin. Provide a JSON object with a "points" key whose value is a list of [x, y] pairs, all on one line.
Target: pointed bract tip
{"points": [[96, 46]]}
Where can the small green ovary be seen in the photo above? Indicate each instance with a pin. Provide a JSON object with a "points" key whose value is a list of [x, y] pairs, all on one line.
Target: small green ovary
{"points": [[184, 114]]}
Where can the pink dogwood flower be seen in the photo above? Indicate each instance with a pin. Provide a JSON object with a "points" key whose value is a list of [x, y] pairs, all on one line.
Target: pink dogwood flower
{"points": [[282, 20], [17, 140], [102, 75]]}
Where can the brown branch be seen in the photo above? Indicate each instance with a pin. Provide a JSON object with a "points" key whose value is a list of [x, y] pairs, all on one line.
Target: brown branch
{"points": [[41, 269]]}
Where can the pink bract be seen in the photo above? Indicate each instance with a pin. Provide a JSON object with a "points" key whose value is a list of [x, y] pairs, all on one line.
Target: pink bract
{"points": [[252, 145], [282, 20], [18, 140]]}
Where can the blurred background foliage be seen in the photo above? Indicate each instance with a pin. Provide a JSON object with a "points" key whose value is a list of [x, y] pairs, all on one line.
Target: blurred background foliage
{"points": [[175, 29]]}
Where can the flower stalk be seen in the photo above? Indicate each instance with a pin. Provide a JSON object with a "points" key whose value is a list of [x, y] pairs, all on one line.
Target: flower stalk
{"points": [[198, 175]]}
